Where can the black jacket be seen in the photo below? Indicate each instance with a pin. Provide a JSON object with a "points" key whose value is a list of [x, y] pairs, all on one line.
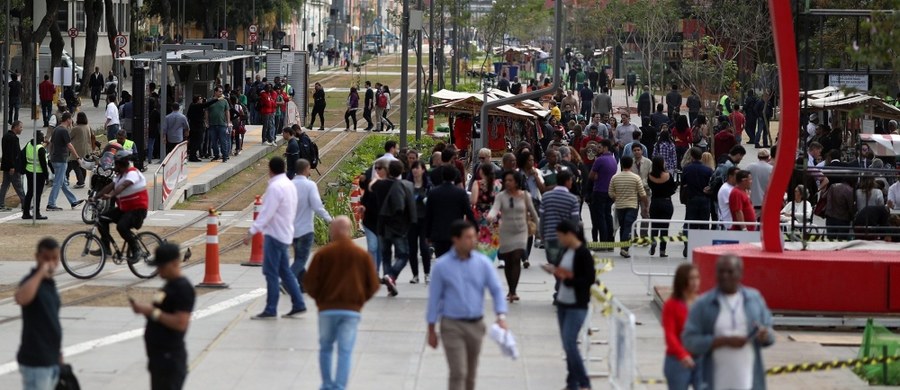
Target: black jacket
{"points": [[11, 151], [96, 82], [370, 99], [583, 277], [319, 98], [645, 104], [445, 204]]}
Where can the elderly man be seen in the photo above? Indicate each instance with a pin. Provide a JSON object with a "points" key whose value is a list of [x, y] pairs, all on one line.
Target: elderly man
{"points": [[728, 326]]}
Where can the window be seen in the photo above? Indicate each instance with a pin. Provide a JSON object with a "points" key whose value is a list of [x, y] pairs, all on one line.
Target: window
{"points": [[62, 17], [80, 17]]}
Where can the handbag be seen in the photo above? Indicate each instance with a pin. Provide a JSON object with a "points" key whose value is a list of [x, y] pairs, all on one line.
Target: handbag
{"points": [[532, 227], [67, 379], [822, 204], [683, 193]]}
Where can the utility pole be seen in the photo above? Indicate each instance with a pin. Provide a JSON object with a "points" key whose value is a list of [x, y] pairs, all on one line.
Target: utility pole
{"points": [[454, 60], [404, 73], [441, 58], [430, 50], [6, 65], [419, 74]]}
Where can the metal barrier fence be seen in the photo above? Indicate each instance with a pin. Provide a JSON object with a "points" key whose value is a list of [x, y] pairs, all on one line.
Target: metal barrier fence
{"points": [[622, 339]]}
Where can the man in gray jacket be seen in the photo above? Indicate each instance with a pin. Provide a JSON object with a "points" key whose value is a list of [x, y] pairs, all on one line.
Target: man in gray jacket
{"points": [[602, 103]]}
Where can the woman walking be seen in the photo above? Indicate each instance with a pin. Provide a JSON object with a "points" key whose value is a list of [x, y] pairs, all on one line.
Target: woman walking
{"points": [[534, 185], [483, 193], [384, 114], [418, 242], [665, 148], [517, 209], [662, 187], [352, 106], [575, 274], [679, 367], [238, 121]]}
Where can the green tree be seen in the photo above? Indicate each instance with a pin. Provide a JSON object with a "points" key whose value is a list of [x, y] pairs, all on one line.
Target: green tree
{"points": [[882, 50]]}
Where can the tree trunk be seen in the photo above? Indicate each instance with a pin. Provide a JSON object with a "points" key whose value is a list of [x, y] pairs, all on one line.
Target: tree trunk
{"points": [[29, 38], [111, 33], [94, 12], [56, 46]]}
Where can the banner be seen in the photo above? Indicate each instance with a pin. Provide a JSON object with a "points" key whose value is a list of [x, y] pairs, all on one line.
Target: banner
{"points": [[174, 170]]}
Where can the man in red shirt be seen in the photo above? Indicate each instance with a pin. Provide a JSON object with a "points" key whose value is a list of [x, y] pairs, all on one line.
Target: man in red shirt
{"points": [[593, 136], [267, 110], [739, 202], [724, 141], [46, 90], [738, 120]]}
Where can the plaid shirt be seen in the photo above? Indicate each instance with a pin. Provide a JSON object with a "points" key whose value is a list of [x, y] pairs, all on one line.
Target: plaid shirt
{"points": [[666, 150]]}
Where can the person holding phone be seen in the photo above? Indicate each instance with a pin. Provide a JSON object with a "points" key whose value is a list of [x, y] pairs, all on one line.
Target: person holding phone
{"points": [[40, 353]]}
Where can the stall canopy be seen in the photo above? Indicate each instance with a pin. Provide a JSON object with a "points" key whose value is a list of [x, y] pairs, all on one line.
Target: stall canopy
{"points": [[832, 98], [466, 102]]}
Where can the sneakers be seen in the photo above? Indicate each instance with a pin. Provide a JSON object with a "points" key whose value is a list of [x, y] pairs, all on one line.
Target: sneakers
{"points": [[294, 313], [427, 278], [414, 280], [77, 203], [264, 316], [501, 264], [624, 253], [652, 249], [54, 208], [77, 186], [391, 285]]}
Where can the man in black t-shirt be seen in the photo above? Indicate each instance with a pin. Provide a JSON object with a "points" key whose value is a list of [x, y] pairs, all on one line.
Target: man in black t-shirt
{"points": [[369, 104], [168, 318], [40, 353]]}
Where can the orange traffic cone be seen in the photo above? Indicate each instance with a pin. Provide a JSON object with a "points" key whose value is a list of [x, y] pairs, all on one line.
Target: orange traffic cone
{"points": [[256, 245], [212, 278], [430, 130]]}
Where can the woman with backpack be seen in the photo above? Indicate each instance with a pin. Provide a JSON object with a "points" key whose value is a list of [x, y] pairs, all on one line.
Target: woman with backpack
{"points": [[352, 106]]}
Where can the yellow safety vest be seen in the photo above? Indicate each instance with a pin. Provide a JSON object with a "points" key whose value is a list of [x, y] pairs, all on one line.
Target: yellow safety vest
{"points": [[724, 108], [31, 154]]}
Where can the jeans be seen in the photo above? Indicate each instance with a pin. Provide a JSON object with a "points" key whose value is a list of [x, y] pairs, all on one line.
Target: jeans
{"points": [[419, 243], [601, 215], [553, 249], [14, 179], [401, 252], [268, 128], [302, 246], [697, 209], [570, 321], [372, 248], [218, 141], [367, 115], [39, 378], [111, 132], [47, 111], [168, 370], [59, 182], [276, 264], [762, 132], [318, 110], [679, 377], [626, 218], [750, 128], [336, 326]]}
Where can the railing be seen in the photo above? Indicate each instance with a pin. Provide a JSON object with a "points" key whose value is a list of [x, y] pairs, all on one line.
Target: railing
{"points": [[174, 175]]}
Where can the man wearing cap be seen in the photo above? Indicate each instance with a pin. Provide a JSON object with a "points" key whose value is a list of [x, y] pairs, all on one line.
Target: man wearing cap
{"points": [[761, 172], [168, 317]]}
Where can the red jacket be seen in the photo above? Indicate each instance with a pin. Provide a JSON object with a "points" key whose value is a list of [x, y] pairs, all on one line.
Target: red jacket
{"points": [[674, 315], [47, 90], [267, 103]]}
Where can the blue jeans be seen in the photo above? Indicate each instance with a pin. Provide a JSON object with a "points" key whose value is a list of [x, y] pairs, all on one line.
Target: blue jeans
{"points": [[401, 253], [276, 264], [302, 246], [679, 377], [336, 326], [39, 378], [269, 128], [570, 321], [626, 218], [111, 132], [218, 141], [59, 182], [601, 215], [372, 248]]}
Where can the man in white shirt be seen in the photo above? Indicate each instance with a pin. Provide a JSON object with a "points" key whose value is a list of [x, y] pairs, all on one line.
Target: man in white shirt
{"points": [[811, 126], [390, 151], [276, 222], [722, 197], [308, 202], [112, 118]]}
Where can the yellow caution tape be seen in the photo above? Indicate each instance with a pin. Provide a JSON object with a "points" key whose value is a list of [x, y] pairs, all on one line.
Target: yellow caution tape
{"points": [[646, 241], [599, 291], [650, 381], [822, 366]]}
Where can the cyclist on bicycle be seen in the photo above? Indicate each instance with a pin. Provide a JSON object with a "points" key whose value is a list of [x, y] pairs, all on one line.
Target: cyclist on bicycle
{"points": [[130, 191]]}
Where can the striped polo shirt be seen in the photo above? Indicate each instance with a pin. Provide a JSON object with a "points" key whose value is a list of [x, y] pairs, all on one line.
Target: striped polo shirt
{"points": [[557, 205], [626, 189]]}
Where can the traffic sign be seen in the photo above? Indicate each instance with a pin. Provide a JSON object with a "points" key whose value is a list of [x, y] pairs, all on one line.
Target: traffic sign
{"points": [[121, 53], [73, 32], [253, 29], [223, 34], [253, 37], [121, 40]]}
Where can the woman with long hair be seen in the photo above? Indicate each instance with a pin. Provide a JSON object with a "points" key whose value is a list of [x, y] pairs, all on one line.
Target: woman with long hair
{"points": [[417, 239], [666, 149], [679, 367], [534, 185], [867, 194], [238, 121], [681, 137], [575, 274], [352, 106], [483, 193], [384, 114], [707, 159], [662, 187], [517, 209]]}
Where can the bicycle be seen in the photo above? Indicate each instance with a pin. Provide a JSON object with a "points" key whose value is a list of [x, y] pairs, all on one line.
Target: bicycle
{"points": [[83, 255]]}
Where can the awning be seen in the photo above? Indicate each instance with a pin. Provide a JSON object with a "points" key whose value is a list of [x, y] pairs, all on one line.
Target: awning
{"points": [[832, 98], [884, 144], [525, 109], [191, 56]]}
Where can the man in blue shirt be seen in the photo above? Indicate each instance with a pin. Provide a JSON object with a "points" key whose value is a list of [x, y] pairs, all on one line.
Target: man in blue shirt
{"points": [[456, 297], [604, 168]]}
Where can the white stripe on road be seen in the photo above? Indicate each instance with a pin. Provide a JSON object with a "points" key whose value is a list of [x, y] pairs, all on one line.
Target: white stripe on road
{"points": [[11, 217], [87, 346]]}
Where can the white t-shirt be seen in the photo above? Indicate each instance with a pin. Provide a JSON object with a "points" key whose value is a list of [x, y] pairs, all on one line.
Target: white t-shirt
{"points": [[724, 208], [732, 367], [112, 113], [139, 183], [894, 195], [810, 131]]}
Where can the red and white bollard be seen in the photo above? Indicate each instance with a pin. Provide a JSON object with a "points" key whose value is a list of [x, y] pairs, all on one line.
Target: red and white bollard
{"points": [[212, 277], [256, 245]]}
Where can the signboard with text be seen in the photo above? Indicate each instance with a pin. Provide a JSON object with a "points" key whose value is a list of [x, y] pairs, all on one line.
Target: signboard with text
{"points": [[858, 82]]}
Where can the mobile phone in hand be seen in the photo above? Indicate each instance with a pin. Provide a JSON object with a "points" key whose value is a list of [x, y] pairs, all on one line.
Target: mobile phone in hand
{"points": [[549, 268]]}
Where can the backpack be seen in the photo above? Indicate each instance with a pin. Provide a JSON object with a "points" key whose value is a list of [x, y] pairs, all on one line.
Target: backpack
{"points": [[309, 151], [381, 100]]}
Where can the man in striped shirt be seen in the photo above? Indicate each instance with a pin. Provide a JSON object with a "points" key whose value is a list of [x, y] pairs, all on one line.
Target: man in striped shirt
{"points": [[626, 189], [557, 205]]}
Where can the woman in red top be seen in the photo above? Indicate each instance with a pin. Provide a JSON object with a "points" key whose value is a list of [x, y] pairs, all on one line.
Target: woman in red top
{"points": [[681, 135], [679, 367]]}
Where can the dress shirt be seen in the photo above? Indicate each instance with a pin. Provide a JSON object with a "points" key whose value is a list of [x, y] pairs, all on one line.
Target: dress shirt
{"points": [[308, 201], [457, 287], [279, 206]]}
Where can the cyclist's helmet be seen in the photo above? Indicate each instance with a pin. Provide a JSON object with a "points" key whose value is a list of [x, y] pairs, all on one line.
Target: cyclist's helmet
{"points": [[123, 156]]}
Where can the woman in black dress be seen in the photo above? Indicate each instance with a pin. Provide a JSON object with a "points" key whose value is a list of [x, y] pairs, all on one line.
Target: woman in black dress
{"points": [[662, 187]]}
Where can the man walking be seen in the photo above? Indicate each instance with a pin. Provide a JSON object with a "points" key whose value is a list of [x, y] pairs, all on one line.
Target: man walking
{"points": [[602, 103], [15, 98], [626, 189], [602, 172], [318, 107], [96, 85], [40, 353], [46, 89], [397, 213], [673, 101], [112, 118], [456, 298], [557, 205], [308, 202], [341, 278], [176, 128], [168, 318], [446, 202], [728, 327], [11, 154], [762, 173], [369, 105], [276, 222], [693, 106], [645, 103], [723, 197], [587, 97], [219, 121], [60, 147]]}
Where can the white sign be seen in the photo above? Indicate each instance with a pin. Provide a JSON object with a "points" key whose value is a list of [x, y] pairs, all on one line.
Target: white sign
{"points": [[223, 34], [698, 238], [859, 82], [174, 170], [253, 29], [62, 76], [121, 40], [868, 126]]}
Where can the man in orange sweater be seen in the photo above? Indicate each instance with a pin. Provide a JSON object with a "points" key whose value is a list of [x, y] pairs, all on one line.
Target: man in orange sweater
{"points": [[341, 278]]}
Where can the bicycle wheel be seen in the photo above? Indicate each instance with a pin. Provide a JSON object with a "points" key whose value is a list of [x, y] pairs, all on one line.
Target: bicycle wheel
{"points": [[83, 255], [89, 212], [144, 267]]}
